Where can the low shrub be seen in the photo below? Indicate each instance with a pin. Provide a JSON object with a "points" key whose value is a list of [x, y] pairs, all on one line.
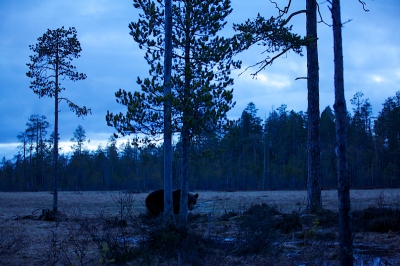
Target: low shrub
{"points": [[257, 231], [376, 219]]}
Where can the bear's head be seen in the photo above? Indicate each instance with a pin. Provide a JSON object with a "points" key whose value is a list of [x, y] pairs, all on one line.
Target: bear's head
{"points": [[192, 199]]}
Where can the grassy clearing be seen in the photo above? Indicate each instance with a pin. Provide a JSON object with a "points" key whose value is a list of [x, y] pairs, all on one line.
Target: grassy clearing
{"points": [[91, 202]]}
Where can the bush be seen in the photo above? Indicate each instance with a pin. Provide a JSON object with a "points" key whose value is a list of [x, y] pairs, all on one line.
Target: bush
{"points": [[111, 236], [381, 220], [257, 231], [171, 242], [290, 223], [11, 242]]}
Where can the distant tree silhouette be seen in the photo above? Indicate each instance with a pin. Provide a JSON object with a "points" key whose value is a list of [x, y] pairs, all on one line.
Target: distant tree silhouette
{"points": [[78, 148], [51, 62]]}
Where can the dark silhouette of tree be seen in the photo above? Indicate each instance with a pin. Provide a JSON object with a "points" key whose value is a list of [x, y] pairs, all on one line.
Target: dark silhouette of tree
{"points": [[286, 136], [100, 163], [387, 136], [79, 138], [328, 142], [346, 245], [360, 141], [36, 132], [279, 39], [23, 139], [271, 131], [295, 137], [78, 156], [51, 62], [33, 147], [168, 203], [314, 201], [231, 149], [230, 161], [200, 75], [112, 167], [250, 142], [39, 126], [128, 164], [204, 100]]}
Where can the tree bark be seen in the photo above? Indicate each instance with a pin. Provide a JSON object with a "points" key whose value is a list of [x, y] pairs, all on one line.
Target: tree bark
{"points": [[185, 134], [314, 161], [55, 181], [168, 202], [346, 246], [183, 211]]}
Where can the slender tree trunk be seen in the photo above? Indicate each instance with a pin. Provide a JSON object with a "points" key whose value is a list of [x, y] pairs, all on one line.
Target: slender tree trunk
{"points": [[55, 181], [185, 127], [183, 211], [346, 246], [24, 161], [36, 172], [168, 203], [264, 160], [41, 161], [30, 183], [314, 161]]}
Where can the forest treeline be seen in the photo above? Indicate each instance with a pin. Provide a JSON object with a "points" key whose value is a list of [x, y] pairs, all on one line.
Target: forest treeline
{"points": [[255, 153]]}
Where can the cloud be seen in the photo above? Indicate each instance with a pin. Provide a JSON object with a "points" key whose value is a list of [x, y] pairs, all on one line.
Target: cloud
{"points": [[377, 78], [112, 60], [105, 39], [263, 79], [268, 91], [93, 8], [8, 150], [274, 81]]}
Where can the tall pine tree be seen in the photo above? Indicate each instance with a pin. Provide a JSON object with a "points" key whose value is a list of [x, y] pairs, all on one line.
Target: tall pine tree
{"points": [[201, 65], [51, 63], [277, 37]]}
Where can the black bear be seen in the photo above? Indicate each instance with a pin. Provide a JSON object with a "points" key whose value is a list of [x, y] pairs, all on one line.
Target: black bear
{"points": [[155, 201]]}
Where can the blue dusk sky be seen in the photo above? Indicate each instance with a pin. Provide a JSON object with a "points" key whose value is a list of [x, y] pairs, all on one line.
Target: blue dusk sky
{"points": [[112, 60]]}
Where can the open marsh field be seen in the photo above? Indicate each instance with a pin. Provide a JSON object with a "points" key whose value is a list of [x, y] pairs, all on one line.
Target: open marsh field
{"points": [[26, 240], [92, 202]]}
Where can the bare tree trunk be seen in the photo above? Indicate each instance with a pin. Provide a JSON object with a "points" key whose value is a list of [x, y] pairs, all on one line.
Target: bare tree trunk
{"points": [[183, 211], [346, 246], [55, 181], [314, 160], [168, 202], [264, 160]]}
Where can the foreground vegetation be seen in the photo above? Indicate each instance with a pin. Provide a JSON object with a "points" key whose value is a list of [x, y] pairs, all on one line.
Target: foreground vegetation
{"points": [[226, 228]]}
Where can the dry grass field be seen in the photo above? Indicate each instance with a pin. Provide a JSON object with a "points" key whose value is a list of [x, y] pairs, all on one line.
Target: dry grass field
{"points": [[26, 240], [91, 202]]}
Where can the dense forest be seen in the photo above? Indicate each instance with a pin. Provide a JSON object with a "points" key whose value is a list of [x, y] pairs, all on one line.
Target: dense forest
{"points": [[255, 153]]}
